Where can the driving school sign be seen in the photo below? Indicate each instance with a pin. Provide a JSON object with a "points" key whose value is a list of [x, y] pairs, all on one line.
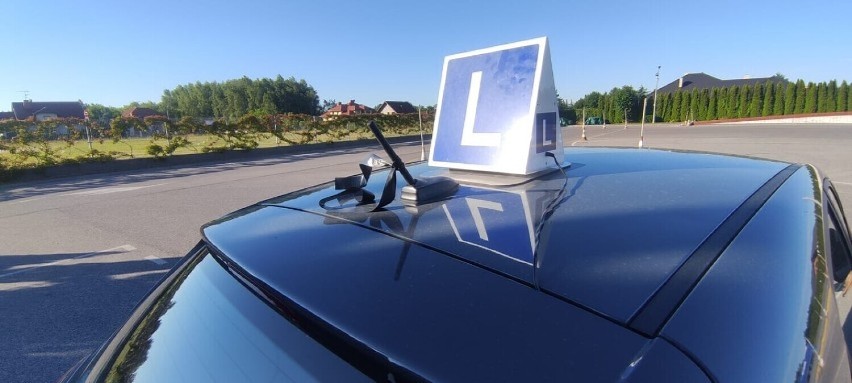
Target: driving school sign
{"points": [[497, 110]]}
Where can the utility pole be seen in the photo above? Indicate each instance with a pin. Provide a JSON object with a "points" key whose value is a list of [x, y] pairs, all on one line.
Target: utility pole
{"points": [[654, 114], [642, 128], [422, 144]]}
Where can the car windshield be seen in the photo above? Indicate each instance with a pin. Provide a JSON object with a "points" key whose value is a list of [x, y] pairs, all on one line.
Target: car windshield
{"points": [[207, 326]]}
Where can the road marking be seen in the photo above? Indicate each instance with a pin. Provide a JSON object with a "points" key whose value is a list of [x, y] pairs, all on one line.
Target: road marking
{"points": [[599, 135], [123, 249], [156, 260], [842, 183], [110, 190], [120, 277]]}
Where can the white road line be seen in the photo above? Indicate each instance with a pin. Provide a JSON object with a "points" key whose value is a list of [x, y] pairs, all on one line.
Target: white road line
{"points": [[599, 135], [156, 260], [842, 183], [123, 249], [121, 277], [109, 190]]}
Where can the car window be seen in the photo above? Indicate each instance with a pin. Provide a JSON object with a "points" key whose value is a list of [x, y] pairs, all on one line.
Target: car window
{"points": [[208, 326], [838, 247], [835, 204]]}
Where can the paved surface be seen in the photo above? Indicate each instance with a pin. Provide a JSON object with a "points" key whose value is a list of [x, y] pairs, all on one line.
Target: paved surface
{"points": [[76, 255], [828, 146]]}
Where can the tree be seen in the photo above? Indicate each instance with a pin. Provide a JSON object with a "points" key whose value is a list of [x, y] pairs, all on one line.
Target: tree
{"points": [[778, 107], [625, 100], [768, 99], [685, 100], [779, 78], [842, 97], [790, 99], [755, 106], [674, 114], [328, 104], [703, 101], [849, 98], [801, 95], [811, 98], [822, 98], [711, 105], [693, 105], [722, 104], [733, 97], [102, 114], [146, 104], [567, 112], [663, 106], [743, 101], [831, 96], [235, 98], [169, 102]]}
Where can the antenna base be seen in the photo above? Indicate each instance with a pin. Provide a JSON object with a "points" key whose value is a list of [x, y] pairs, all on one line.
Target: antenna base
{"points": [[428, 189]]}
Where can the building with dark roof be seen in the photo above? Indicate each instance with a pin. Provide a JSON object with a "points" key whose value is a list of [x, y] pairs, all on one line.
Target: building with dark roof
{"points": [[348, 109], [41, 111], [397, 107], [7, 115], [700, 81], [140, 113]]}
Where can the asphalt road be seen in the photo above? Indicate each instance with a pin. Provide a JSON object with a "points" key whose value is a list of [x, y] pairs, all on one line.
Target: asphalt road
{"points": [[827, 146], [76, 255]]}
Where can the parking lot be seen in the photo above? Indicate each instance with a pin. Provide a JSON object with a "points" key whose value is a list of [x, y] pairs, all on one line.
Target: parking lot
{"points": [[77, 254]]}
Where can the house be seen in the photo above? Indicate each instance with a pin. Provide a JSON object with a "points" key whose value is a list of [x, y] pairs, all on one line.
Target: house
{"points": [[42, 111], [7, 115], [140, 113], [349, 109], [701, 81], [397, 107]]}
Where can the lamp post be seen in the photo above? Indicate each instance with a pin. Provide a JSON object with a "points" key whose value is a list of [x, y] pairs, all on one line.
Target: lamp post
{"points": [[654, 114]]}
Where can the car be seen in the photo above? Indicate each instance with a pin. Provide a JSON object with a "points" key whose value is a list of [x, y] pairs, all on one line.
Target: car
{"points": [[596, 121], [630, 265], [508, 257]]}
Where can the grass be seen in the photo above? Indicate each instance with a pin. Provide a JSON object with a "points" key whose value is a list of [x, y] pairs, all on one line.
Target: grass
{"points": [[137, 147]]}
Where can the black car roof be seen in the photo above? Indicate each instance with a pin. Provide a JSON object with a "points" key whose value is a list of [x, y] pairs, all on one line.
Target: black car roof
{"points": [[617, 229], [626, 221], [440, 318]]}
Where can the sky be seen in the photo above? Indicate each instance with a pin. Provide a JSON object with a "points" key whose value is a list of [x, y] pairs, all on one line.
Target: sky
{"points": [[117, 52]]}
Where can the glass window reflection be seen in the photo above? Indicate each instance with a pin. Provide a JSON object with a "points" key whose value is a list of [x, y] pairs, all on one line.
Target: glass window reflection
{"points": [[209, 327]]}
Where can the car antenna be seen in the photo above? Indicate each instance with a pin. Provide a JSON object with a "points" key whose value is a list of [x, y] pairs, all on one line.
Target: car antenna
{"points": [[418, 191]]}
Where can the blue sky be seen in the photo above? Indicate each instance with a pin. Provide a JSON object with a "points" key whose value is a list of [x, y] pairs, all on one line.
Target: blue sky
{"points": [[115, 52]]}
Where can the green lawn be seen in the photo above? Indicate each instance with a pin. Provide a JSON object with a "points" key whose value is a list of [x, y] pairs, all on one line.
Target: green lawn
{"points": [[137, 147]]}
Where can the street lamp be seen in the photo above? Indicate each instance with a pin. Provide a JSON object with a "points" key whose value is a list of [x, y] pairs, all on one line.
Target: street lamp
{"points": [[654, 114]]}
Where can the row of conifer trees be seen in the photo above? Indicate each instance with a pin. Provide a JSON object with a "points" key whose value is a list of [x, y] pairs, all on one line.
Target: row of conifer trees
{"points": [[759, 100]]}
